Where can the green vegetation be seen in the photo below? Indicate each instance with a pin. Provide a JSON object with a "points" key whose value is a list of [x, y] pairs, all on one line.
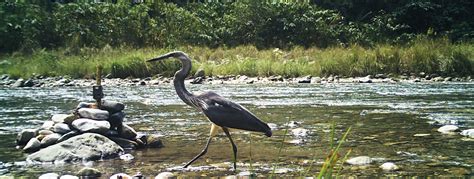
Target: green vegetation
{"points": [[348, 37], [423, 55]]}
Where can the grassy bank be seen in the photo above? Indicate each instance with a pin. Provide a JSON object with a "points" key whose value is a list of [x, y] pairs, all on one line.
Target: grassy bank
{"points": [[429, 56]]}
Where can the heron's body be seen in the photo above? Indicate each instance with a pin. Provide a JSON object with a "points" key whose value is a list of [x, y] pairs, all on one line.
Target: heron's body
{"points": [[220, 111]]}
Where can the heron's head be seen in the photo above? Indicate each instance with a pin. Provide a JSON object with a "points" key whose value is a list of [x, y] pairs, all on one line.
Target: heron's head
{"points": [[176, 54]]}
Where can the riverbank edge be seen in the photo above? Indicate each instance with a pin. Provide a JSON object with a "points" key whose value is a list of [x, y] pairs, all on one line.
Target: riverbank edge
{"points": [[38, 81]]}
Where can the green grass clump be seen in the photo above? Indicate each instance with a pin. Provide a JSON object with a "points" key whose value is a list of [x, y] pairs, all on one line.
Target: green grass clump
{"points": [[423, 55]]}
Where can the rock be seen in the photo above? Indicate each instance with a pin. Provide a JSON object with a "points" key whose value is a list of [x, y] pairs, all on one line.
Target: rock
{"points": [[437, 79], [468, 133], [45, 132], [5, 77], [50, 139], [86, 105], [127, 132], [25, 135], [68, 135], [95, 114], [143, 83], [448, 79], [89, 172], [49, 176], [364, 112], [448, 129], [33, 145], [165, 175], [197, 80], [365, 80], [138, 175], [316, 80], [68, 120], [61, 128], [120, 176], [112, 106], [153, 141], [124, 143], [199, 73], [29, 83], [127, 157], [380, 76], [68, 177], [88, 146], [389, 166], [300, 132], [60, 118], [116, 120], [305, 80], [361, 160], [18, 83], [89, 125], [48, 125]]}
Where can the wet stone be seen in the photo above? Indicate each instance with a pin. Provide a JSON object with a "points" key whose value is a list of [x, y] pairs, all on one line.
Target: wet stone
{"points": [[89, 125], [49, 176], [127, 132], [361, 160], [50, 139], [124, 143], [61, 128], [127, 157], [389, 166], [89, 172], [95, 114], [112, 106], [154, 141], [60, 118], [25, 135], [468, 133], [448, 129], [32, 145], [18, 83]]}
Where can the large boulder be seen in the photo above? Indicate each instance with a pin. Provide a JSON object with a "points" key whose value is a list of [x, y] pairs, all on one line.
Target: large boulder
{"points": [[95, 114], [89, 125], [88, 146]]}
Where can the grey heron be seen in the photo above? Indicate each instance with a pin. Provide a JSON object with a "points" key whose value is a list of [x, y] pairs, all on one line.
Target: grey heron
{"points": [[221, 112]]}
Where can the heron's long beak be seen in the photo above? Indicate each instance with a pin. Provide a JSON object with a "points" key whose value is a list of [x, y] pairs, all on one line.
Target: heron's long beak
{"points": [[162, 57]]}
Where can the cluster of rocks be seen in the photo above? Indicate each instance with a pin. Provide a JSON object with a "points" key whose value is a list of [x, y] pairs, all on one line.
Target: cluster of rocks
{"points": [[453, 129], [200, 78], [88, 172], [87, 134]]}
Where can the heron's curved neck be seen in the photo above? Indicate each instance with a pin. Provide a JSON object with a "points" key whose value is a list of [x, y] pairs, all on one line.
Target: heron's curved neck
{"points": [[178, 81]]}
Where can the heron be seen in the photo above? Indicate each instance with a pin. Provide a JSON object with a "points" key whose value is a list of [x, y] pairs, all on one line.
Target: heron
{"points": [[222, 113]]}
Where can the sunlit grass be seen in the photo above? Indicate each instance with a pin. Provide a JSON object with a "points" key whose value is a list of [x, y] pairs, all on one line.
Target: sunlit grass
{"points": [[423, 55]]}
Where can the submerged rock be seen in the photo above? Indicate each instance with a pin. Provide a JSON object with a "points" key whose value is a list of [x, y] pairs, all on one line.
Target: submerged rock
{"points": [[25, 135], [361, 160], [447, 129], [89, 172], [389, 166], [95, 114], [88, 146], [89, 125], [154, 141]]}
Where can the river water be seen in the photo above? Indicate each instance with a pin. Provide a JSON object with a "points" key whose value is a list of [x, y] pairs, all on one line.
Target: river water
{"points": [[390, 123]]}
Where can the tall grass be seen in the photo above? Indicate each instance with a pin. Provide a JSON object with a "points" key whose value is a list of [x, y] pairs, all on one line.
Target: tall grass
{"points": [[423, 55]]}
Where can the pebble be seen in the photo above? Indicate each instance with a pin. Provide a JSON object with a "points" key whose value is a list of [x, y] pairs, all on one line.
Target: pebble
{"points": [[127, 157], [120, 176], [164, 175], [49, 176], [447, 129], [389, 166], [361, 160]]}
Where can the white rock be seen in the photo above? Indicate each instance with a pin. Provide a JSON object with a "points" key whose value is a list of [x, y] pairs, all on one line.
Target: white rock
{"points": [[300, 132], [361, 160], [127, 157], [69, 177], [389, 166], [121, 176], [49, 176], [364, 112], [164, 175], [468, 133], [95, 114], [48, 125], [59, 118], [448, 129]]}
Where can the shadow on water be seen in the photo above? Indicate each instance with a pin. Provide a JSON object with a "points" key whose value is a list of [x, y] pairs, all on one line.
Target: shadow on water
{"points": [[390, 123]]}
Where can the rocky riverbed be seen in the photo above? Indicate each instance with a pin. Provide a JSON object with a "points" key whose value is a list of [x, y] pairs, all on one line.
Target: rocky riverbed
{"points": [[200, 78]]}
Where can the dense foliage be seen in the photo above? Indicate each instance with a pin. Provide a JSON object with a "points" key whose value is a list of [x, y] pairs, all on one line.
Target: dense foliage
{"points": [[322, 23]]}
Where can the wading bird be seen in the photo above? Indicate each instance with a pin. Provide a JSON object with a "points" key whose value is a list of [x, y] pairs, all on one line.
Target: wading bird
{"points": [[220, 111]]}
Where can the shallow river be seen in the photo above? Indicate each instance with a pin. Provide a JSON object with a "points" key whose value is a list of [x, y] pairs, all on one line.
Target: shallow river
{"points": [[385, 119]]}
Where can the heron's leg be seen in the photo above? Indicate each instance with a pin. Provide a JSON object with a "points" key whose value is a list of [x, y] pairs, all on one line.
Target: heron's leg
{"points": [[234, 147], [204, 151]]}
